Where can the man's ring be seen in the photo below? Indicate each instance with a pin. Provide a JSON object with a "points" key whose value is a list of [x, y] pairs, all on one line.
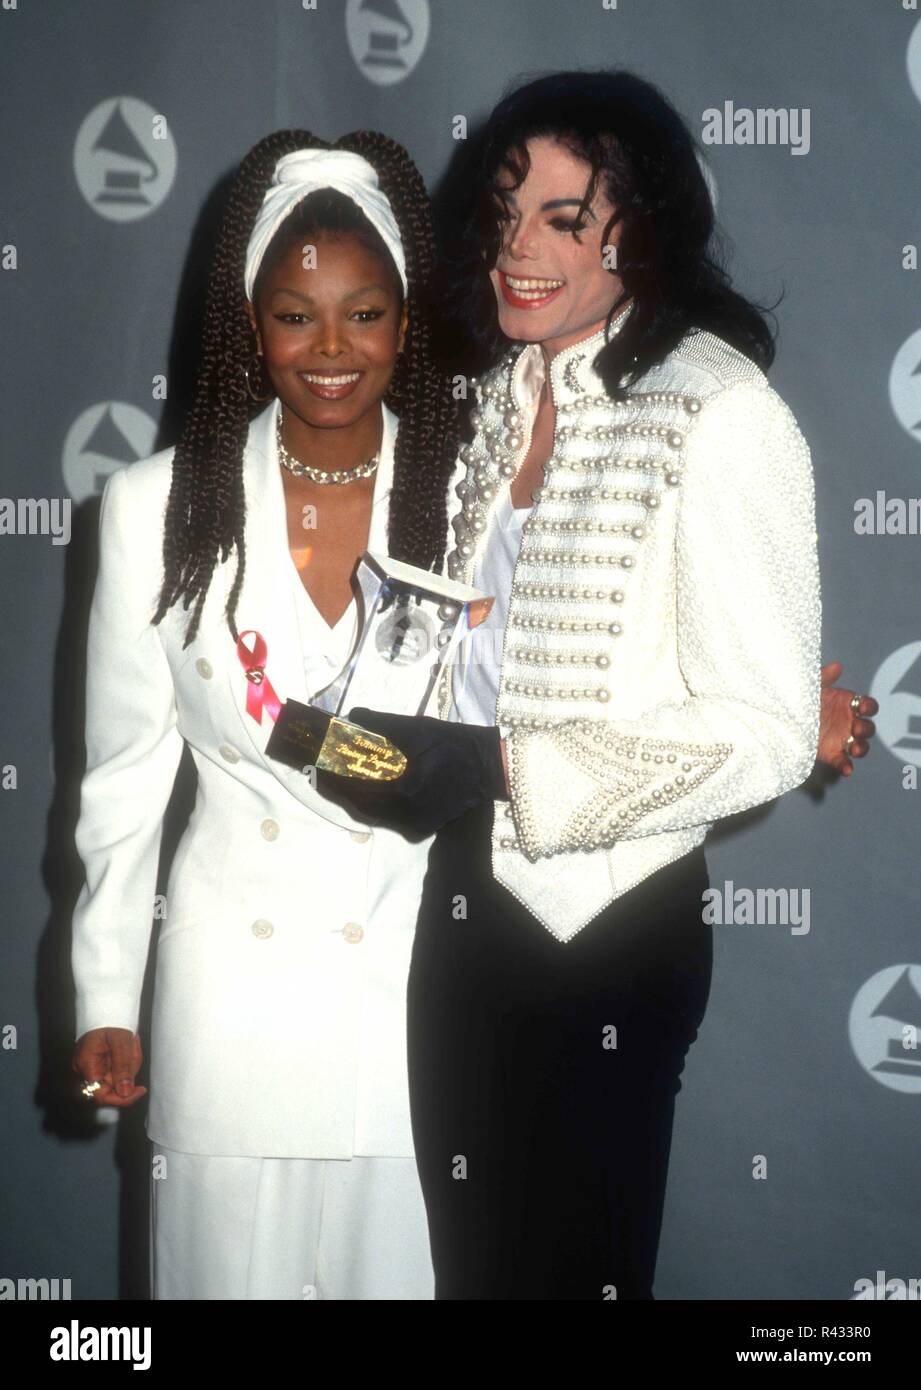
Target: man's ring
{"points": [[855, 703], [851, 738], [90, 1088]]}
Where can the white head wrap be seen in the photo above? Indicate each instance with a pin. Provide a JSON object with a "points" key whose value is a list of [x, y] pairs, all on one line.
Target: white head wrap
{"points": [[303, 171]]}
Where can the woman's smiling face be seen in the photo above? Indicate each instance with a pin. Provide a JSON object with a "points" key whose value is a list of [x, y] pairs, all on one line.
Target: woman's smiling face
{"points": [[330, 334], [550, 278]]}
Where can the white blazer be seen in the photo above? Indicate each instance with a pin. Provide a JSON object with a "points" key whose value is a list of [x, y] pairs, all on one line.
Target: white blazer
{"points": [[279, 1003]]}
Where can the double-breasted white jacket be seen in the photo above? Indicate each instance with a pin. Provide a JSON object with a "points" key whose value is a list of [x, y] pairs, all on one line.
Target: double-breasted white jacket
{"points": [[279, 997], [661, 661]]}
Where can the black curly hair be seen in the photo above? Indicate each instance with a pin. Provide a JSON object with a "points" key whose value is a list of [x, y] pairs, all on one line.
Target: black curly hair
{"points": [[205, 512], [670, 254]]}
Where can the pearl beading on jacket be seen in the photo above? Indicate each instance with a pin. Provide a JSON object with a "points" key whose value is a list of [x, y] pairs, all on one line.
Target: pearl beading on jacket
{"points": [[581, 776], [579, 446]]}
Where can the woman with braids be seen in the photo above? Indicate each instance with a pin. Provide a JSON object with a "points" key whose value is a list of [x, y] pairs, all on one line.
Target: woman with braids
{"points": [[321, 426], [640, 502]]}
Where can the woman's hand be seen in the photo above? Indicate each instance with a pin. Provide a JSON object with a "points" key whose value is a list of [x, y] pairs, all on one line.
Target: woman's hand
{"points": [[840, 721], [450, 769], [111, 1056]]}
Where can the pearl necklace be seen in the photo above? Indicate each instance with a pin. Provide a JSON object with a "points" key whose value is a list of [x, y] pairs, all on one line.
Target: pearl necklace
{"points": [[322, 475]]}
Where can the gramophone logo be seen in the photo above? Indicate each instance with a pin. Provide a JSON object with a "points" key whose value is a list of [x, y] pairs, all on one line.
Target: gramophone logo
{"points": [[123, 171], [885, 1027], [100, 440], [905, 386], [387, 37], [897, 688], [914, 60]]}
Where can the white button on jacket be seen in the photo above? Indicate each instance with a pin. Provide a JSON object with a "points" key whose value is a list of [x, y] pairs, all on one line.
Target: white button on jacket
{"points": [[268, 1036]]}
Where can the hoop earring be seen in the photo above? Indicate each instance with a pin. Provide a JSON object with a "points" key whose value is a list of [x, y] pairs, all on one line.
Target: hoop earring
{"points": [[257, 357]]}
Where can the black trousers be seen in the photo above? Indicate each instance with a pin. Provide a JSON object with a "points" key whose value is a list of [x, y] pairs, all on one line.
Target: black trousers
{"points": [[543, 1075]]}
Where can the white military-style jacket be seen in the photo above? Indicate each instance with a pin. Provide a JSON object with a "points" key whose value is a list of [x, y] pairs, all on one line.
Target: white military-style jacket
{"points": [[279, 995], [661, 662]]}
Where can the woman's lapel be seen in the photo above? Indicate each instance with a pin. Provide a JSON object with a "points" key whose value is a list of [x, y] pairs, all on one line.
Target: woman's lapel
{"points": [[265, 603], [267, 599]]}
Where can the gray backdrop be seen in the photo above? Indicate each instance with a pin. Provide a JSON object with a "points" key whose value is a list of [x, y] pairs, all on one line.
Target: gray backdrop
{"points": [[802, 1057]]}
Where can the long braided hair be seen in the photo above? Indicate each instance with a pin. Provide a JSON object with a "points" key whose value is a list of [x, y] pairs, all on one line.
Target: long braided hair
{"points": [[205, 512]]}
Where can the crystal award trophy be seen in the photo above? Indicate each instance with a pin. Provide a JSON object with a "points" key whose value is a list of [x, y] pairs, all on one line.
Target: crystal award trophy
{"points": [[411, 623]]}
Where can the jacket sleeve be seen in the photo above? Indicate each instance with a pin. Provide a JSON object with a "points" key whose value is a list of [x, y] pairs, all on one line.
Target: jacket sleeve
{"points": [[748, 631], [133, 749]]}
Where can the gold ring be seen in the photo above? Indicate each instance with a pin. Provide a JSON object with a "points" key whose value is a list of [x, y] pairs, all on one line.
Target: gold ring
{"points": [[855, 703], [89, 1088]]}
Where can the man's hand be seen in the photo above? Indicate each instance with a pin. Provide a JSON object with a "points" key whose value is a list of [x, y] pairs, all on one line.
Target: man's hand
{"points": [[839, 721], [450, 769]]}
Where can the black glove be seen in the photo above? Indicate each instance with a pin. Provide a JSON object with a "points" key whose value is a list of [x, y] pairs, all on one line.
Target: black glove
{"points": [[450, 769]]}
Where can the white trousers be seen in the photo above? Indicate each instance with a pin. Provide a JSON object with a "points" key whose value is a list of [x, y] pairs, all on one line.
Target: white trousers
{"points": [[287, 1228]]}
